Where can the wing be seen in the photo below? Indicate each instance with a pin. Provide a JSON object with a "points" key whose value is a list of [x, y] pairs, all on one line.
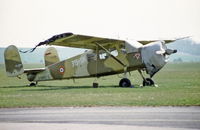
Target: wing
{"points": [[81, 41], [144, 42], [89, 42]]}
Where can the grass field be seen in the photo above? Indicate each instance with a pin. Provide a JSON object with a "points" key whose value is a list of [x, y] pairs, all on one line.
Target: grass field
{"points": [[179, 85]]}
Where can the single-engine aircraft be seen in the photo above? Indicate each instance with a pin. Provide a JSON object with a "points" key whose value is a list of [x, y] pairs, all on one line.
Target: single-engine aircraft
{"points": [[104, 57]]}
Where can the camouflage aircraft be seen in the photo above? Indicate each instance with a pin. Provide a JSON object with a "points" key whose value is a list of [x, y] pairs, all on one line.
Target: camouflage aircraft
{"points": [[104, 57]]}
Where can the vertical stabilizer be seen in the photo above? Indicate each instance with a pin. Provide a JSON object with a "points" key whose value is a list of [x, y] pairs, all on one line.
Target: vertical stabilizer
{"points": [[51, 56], [13, 64]]}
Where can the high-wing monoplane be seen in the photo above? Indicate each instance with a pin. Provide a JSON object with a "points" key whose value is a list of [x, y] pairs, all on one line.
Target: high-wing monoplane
{"points": [[103, 57]]}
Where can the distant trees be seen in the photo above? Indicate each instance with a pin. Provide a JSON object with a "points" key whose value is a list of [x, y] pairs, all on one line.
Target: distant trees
{"points": [[178, 60]]}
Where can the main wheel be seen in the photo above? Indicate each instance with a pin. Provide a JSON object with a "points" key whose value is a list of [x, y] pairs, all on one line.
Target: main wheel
{"points": [[32, 84], [148, 82], [125, 82]]}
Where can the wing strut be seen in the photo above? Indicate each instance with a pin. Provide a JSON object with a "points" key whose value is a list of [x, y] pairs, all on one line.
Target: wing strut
{"points": [[115, 58], [120, 62]]}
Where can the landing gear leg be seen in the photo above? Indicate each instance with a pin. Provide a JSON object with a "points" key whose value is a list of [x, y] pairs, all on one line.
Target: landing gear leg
{"points": [[146, 81]]}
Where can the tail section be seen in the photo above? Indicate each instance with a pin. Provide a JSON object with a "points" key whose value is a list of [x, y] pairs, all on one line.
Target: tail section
{"points": [[51, 56], [13, 64]]}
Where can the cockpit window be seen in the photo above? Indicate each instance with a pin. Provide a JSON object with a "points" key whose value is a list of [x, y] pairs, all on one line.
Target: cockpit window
{"points": [[104, 55], [114, 53]]}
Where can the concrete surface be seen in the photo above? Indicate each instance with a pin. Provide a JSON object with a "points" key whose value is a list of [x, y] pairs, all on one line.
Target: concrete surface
{"points": [[100, 118]]}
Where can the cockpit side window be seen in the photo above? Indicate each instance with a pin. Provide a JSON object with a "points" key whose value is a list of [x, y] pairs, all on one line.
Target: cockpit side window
{"points": [[104, 55], [114, 53]]}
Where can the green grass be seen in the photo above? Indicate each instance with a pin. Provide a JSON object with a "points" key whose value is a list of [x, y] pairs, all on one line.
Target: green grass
{"points": [[179, 85]]}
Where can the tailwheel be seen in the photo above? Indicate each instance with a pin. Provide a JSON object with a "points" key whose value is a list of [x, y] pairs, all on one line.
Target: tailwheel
{"points": [[148, 82], [95, 85], [125, 82]]}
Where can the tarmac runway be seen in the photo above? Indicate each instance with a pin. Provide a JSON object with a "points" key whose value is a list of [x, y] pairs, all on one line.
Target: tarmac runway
{"points": [[100, 118]]}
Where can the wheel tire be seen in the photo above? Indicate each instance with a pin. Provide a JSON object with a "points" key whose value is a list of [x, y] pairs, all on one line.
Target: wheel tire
{"points": [[125, 82], [32, 84], [95, 85], [148, 82]]}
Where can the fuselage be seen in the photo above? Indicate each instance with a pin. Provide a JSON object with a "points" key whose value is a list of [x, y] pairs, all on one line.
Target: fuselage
{"points": [[150, 57], [90, 64]]}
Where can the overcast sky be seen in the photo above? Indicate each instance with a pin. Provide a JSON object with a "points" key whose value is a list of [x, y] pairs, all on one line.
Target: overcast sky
{"points": [[25, 23]]}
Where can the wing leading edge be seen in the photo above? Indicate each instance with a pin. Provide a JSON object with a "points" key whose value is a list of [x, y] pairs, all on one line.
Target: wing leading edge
{"points": [[80, 41]]}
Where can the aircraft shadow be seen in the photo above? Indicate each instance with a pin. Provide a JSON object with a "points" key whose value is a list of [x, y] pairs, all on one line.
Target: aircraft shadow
{"points": [[15, 86], [49, 88]]}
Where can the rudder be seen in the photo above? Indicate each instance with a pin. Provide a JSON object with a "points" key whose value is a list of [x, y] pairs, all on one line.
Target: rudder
{"points": [[13, 63], [51, 56]]}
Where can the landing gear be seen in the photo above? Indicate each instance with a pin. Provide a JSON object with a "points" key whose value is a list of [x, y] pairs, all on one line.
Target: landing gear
{"points": [[95, 85], [125, 82], [148, 82], [33, 84]]}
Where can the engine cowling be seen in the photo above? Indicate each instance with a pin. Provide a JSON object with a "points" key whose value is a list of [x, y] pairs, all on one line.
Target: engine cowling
{"points": [[154, 56]]}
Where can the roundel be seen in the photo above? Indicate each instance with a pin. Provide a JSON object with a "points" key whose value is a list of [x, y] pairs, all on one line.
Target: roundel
{"points": [[61, 69], [137, 56]]}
